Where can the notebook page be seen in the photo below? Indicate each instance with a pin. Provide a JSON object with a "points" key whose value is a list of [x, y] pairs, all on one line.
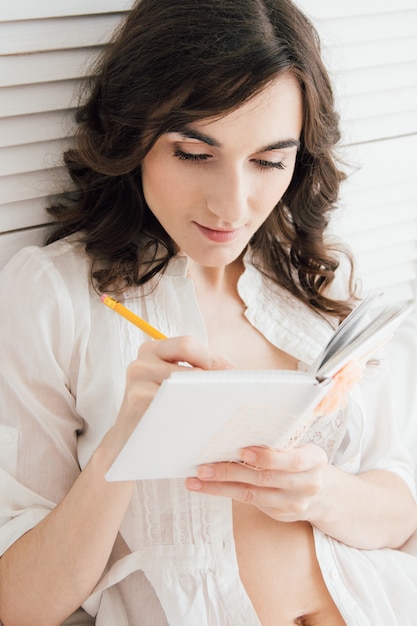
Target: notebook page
{"points": [[200, 417]]}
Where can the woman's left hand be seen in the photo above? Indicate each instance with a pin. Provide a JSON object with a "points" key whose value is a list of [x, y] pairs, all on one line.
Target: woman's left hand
{"points": [[284, 484]]}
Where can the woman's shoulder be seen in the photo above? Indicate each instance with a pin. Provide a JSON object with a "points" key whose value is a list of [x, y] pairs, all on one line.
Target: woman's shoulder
{"points": [[49, 283], [62, 260]]}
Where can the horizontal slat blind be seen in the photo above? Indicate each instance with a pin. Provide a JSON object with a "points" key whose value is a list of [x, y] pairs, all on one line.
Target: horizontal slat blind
{"points": [[36, 98], [46, 49], [371, 49], [29, 10], [48, 34], [379, 215], [328, 9], [44, 67]]}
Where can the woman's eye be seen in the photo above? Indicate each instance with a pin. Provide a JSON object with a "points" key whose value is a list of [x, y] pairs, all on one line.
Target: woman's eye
{"points": [[270, 165], [190, 156]]}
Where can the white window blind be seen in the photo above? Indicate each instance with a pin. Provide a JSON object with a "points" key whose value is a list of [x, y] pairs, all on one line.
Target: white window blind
{"points": [[46, 48], [371, 48]]}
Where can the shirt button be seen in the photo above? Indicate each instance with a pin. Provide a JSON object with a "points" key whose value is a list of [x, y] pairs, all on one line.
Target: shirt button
{"points": [[334, 574], [7, 438]]}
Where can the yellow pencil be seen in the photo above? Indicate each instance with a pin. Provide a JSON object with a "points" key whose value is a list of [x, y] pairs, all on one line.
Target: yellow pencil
{"points": [[131, 317]]}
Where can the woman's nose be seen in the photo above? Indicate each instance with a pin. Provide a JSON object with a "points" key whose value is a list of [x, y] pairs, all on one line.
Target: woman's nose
{"points": [[229, 196]]}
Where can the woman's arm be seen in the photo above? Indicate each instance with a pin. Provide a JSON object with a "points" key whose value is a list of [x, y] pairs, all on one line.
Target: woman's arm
{"points": [[50, 571], [47, 574], [371, 510]]}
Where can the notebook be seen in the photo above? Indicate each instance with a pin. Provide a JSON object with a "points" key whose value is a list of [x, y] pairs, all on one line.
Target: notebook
{"points": [[208, 416]]}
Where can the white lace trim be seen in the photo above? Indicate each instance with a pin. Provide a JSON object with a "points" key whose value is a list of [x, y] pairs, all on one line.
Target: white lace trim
{"points": [[327, 432]]}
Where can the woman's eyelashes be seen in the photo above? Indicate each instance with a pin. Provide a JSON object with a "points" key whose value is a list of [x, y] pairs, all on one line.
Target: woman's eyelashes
{"points": [[192, 157], [267, 165]]}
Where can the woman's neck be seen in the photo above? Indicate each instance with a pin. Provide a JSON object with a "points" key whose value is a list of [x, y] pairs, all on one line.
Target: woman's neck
{"points": [[216, 279]]}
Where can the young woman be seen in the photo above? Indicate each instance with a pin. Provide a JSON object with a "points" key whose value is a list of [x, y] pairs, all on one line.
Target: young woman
{"points": [[205, 176]]}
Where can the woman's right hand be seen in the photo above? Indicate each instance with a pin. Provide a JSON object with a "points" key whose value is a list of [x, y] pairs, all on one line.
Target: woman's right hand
{"points": [[155, 361]]}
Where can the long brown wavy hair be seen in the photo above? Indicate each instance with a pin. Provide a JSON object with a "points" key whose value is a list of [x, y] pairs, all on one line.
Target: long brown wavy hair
{"points": [[173, 62]]}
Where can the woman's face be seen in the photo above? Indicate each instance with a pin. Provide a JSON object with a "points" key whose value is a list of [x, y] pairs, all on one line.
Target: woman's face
{"points": [[212, 184]]}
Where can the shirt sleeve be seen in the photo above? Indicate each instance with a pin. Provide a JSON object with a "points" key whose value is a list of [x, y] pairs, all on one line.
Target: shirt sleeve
{"points": [[373, 439], [383, 444], [38, 418]]}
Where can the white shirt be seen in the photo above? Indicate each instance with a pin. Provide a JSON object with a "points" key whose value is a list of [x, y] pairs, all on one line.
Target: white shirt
{"points": [[63, 363]]}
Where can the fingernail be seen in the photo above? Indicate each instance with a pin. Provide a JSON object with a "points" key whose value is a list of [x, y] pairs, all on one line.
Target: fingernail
{"points": [[193, 484], [205, 471], [249, 456]]}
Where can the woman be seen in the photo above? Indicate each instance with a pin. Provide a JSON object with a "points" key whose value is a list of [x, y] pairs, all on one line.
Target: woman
{"points": [[205, 176]]}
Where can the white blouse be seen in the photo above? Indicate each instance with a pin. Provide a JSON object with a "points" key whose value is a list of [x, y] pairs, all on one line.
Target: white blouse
{"points": [[63, 362]]}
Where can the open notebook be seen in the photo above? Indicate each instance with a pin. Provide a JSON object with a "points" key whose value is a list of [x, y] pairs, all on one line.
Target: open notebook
{"points": [[207, 416]]}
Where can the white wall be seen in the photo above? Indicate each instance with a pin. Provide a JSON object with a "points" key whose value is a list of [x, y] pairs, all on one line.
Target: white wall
{"points": [[371, 48]]}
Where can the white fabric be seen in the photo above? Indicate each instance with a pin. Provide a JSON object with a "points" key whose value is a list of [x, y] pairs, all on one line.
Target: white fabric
{"points": [[402, 357], [63, 365]]}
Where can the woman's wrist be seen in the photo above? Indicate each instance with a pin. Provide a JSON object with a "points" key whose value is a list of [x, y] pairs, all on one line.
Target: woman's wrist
{"points": [[109, 449]]}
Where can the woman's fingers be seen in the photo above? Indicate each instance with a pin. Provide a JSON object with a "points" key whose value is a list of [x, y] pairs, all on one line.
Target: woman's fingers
{"points": [[156, 360], [185, 350], [282, 483], [278, 504], [299, 459], [268, 467]]}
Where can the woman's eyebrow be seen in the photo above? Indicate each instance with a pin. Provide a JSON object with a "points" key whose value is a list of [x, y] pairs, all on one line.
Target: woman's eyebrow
{"points": [[282, 144], [190, 133]]}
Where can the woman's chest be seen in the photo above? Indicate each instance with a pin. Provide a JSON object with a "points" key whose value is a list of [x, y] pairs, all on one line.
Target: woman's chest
{"points": [[231, 334]]}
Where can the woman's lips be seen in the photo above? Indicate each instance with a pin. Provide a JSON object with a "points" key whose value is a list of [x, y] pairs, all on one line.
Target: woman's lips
{"points": [[219, 236]]}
